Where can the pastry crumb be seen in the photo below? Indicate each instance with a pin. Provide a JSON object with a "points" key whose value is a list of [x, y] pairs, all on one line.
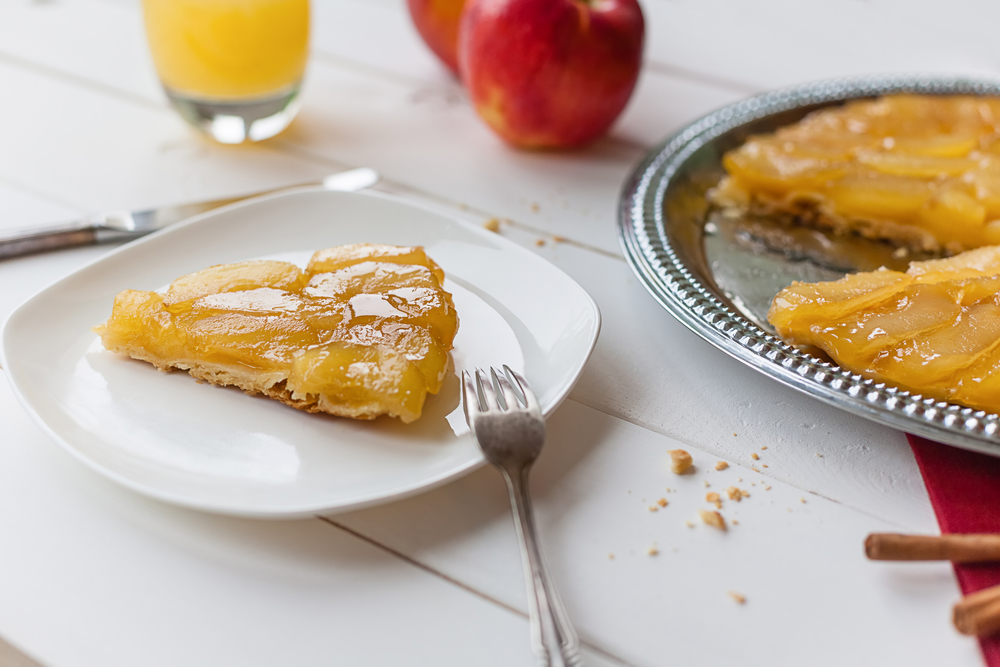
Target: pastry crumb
{"points": [[767, 488], [713, 519], [735, 522], [734, 494], [715, 499], [705, 482], [755, 468], [819, 455], [721, 465], [736, 597], [689, 524], [754, 456], [611, 556], [535, 207], [558, 239], [653, 508], [662, 502], [765, 465], [744, 493], [540, 242], [680, 461], [493, 225], [764, 447], [802, 500], [652, 551]]}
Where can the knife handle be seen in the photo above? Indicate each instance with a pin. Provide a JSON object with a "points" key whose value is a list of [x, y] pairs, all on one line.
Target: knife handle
{"points": [[41, 239]]}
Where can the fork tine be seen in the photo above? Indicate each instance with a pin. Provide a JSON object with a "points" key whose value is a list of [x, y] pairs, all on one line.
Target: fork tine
{"points": [[529, 396], [486, 387], [506, 389], [470, 400]]}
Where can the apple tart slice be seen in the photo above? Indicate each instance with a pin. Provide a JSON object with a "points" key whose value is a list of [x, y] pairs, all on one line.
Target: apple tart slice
{"points": [[365, 330], [934, 330]]}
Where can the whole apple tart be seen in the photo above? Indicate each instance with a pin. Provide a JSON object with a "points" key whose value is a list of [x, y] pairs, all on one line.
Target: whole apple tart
{"points": [[365, 330], [922, 172]]}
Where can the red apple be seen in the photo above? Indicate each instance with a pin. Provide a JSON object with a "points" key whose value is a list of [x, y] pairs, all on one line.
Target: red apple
{"points": [[437, 23], [550, 73]]}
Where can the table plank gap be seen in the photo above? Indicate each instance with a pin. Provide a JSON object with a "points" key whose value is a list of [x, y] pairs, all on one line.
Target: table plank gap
{"points": [[455, 582]]}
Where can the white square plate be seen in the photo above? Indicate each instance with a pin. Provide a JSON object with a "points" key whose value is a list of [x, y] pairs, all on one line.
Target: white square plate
{"points": [[219, 450]]}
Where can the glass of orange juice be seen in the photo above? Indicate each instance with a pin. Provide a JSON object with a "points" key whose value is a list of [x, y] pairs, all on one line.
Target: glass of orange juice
{"points": [[231, 67]]}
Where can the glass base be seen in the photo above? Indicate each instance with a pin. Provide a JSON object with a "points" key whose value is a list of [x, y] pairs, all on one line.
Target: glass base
{"points": [[233, 122]]}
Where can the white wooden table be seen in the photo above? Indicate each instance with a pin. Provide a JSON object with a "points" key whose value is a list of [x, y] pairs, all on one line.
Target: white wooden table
{"points": [[93, 575]]}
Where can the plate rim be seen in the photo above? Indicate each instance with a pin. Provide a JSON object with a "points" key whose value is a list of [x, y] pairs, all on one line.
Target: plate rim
{"points": [[306, 511], [676, 287]]}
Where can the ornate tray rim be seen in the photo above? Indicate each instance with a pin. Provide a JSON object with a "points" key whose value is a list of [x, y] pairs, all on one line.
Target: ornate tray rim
{"points": [[675, 286]]}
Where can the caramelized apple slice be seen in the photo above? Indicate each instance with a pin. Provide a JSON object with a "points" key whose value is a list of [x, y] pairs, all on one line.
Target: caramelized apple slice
{"points": [[916, 311], [970, 264], [234, 277], [340, 257], [928, 361], [370, 380], [799, 305]]}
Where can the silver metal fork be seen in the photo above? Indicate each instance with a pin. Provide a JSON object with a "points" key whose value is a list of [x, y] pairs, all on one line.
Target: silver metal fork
{"points": [[509, 428]]}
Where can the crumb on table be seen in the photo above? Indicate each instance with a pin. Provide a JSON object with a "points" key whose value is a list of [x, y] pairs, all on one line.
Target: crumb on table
{"points": [[680, 461], [736, 597], [715, 499], [713, 519], [662, 502], [652, 551], [754, 456], [734, 494], [493, 225], [721, 465]]}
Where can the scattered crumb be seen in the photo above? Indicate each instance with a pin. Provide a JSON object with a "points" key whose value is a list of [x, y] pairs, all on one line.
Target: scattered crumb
{"points": [[745, 493], [736, 522], [802, 500], [714, 498], [630, 491], [493, 225], [652, 551], [721, 465], [819, 455], [611, 556], [734, 494], [662, 502], [680, 461], [705, 482], [653, 508], [540, 242], [689, 524], [754, 468], [754, 456], [737, 598], [713, 519], [753, 483], [535, 207], [734, 434], [739, 479], [669, 490], [558, 239], [764, 447], [764, 464]]}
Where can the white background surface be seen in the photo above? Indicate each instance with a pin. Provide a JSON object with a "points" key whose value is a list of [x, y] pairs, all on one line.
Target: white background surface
{"points": [[91, 574]]}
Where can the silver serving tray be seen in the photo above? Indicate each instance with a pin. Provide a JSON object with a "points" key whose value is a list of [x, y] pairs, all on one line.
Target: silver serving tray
{"points": [[717, 274]]}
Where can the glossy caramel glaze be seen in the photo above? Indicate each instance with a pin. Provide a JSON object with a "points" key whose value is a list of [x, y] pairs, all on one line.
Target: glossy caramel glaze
{"points": [[365, 330], [922, 171], [934, 330]]}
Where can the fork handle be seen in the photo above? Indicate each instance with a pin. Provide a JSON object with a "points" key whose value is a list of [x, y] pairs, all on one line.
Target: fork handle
{"points": [[553, 638]]}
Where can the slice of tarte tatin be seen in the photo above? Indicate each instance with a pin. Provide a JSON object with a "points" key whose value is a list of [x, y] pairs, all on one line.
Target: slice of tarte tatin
{"points": [[934, 330], [364, 330]]}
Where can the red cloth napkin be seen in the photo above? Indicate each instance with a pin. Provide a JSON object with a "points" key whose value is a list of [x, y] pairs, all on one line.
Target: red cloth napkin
{"points": [[964, 488]]}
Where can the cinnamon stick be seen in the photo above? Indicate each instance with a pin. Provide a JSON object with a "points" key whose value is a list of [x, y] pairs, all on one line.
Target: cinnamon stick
{"points": [[978, 614], [956, 548]]}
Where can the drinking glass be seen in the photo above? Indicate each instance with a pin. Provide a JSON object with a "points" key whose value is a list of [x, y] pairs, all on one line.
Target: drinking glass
{"points": [[231, 67]]}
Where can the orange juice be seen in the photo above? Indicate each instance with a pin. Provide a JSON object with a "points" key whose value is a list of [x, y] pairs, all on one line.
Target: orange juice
{"points": [[228, 49]]}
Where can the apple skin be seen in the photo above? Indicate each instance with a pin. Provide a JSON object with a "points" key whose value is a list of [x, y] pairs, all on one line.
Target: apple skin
{"points": [[550, 73], [437, 22]]}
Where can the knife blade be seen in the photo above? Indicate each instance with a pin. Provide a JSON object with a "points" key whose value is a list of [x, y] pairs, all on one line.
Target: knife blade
{"points": [[115, 226]]}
